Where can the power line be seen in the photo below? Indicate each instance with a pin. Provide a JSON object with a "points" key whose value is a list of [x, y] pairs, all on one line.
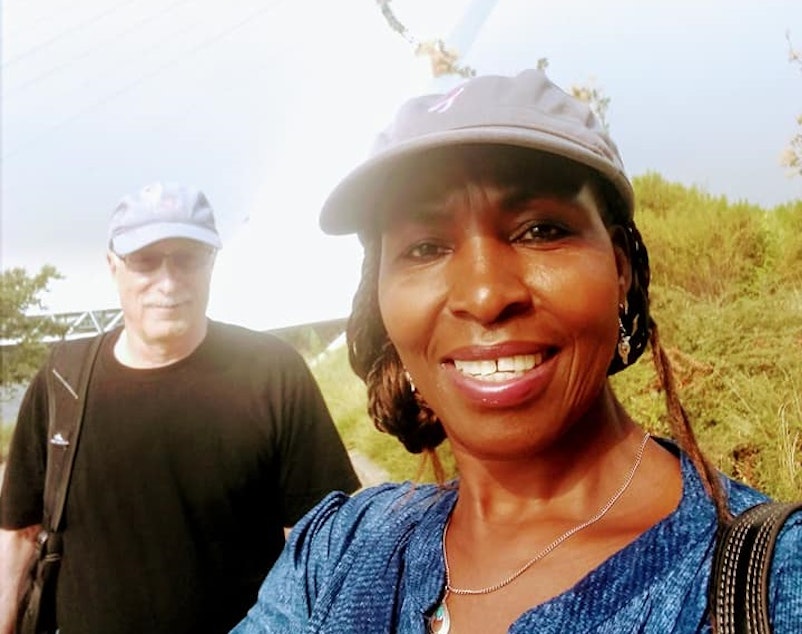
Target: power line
{"points": [[115, 37], [146, 76], [43, 18], [65, 32]]}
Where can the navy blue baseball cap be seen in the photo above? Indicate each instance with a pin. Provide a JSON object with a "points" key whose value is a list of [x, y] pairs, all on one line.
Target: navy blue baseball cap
{"points": [[160, 211], [526, 110]]}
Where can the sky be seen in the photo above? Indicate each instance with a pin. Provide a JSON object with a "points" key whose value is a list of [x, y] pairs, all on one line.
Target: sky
{"points": [[265, 104]]}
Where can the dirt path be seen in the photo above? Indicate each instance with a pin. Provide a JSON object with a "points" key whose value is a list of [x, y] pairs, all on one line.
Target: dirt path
{"points": [[369, 473]]}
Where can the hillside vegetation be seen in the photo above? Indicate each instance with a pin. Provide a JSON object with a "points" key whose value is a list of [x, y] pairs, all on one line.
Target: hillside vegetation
{"points": [[727, 293]]}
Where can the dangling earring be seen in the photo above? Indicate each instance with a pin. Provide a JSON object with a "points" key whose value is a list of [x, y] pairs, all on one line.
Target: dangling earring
{"points": [[623, 342], [408, 377], [624, 347]]}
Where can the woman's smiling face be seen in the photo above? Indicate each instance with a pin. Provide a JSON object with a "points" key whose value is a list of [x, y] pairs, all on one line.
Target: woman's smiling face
{"points": [[502, 302]]}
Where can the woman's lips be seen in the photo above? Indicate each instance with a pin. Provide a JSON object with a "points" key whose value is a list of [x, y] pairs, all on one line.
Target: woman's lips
{"points": [[506, 380]]}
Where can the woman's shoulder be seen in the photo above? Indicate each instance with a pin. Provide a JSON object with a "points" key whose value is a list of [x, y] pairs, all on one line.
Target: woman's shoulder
{"points": [[742, 496], [382, 509], [789, 540], [785, 586], [785, 579], [381, 504], [393, 493], [788, 549], [366, 529]]}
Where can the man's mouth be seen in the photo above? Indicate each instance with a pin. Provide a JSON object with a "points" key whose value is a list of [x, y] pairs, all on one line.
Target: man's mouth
{"points": [[166, 304]]}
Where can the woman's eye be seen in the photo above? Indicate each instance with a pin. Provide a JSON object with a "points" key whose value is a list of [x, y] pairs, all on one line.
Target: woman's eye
{"points": [[425, 251], [540, 232]]}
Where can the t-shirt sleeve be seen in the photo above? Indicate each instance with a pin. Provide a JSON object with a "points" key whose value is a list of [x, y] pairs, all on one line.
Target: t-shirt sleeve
{"points": [[24, 477], [313, 459], [785, 585]]}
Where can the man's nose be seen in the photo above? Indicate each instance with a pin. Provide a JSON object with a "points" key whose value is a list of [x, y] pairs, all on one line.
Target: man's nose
{"points": [[168, 272]]}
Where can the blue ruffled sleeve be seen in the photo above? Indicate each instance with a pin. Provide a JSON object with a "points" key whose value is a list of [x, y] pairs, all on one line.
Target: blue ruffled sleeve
{"points": [[333, 554], [785, 586], [289, 591]]}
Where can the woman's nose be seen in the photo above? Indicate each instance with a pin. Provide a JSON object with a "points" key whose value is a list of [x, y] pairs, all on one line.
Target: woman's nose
{"points": [[488, 281]]}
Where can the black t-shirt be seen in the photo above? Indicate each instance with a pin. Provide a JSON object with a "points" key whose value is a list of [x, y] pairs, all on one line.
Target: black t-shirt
{"points": [[184, 479]]}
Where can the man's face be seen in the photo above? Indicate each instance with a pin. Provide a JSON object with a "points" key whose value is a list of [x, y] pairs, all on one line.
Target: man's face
{"points": [[164, 289]]}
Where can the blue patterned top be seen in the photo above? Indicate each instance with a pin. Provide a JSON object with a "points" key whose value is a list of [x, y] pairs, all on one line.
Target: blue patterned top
{"points": [[373, 563]]}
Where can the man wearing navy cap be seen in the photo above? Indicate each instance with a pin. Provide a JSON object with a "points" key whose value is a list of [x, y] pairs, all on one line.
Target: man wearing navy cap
{"points": [[200, 443]]}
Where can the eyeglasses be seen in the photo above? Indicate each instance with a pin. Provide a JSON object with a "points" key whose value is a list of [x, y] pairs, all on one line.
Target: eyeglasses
{"points": [[184, 261]]}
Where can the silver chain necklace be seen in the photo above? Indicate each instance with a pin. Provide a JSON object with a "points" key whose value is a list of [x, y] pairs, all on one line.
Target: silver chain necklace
{"points": [[440, 622]]}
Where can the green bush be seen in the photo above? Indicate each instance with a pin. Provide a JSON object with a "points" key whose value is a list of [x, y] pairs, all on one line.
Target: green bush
{"points": [[345, 395], [700, 243], [787, 223]]}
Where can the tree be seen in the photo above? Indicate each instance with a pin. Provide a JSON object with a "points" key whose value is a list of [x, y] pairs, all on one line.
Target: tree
{"points": [[792, 155], [21, 331], [595, 98], [589, 93], [443, 60]]}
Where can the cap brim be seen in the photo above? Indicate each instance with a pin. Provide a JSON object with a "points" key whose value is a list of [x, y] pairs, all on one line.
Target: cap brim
{"points": [[348, 207], [141, 237]]}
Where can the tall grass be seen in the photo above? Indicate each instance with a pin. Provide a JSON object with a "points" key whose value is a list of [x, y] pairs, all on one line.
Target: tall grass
{"points": [[727, 293], [5, 439], [345, 395]]}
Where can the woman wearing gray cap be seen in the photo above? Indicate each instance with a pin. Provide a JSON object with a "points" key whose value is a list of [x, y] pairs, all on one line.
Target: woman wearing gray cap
{"points": [[503, 281]]}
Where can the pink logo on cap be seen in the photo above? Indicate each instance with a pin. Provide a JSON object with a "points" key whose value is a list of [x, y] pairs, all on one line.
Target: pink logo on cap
{"points": [[446, 102], [170, 202]]}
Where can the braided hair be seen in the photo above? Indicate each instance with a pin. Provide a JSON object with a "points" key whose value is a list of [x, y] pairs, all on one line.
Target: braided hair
{"points": [[393, 405], [679, 421]]}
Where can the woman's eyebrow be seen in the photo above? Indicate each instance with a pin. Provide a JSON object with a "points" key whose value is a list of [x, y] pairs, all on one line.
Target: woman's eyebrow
{"points": [[519, 197], [516, 197], [420, 212]]}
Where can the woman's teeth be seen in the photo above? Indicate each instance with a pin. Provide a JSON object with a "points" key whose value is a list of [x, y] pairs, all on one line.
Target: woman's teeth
{"points": [[501, 369]]}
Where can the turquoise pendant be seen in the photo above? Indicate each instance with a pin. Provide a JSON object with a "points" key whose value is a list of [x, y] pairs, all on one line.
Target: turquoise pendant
{"points": [[440, 623]]}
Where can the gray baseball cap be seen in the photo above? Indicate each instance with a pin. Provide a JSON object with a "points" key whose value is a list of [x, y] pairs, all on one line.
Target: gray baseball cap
{"points": [[160, 211], [526, 110]]}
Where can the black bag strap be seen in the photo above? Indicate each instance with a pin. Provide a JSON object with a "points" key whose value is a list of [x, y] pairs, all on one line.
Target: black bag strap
{"points": [[738, 594], [68, 371]]}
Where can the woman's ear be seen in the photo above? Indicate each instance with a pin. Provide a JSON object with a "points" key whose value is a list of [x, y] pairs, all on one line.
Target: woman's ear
{"points": [[623, 261]]}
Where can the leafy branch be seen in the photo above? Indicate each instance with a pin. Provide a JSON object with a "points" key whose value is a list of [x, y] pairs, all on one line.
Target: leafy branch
{"points": [[792, 155], [444, 61], [591, 94]]}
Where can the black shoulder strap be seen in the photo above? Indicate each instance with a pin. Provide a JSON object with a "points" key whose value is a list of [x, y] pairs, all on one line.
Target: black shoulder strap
{"points": [[739, 585], [68, 370]]}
